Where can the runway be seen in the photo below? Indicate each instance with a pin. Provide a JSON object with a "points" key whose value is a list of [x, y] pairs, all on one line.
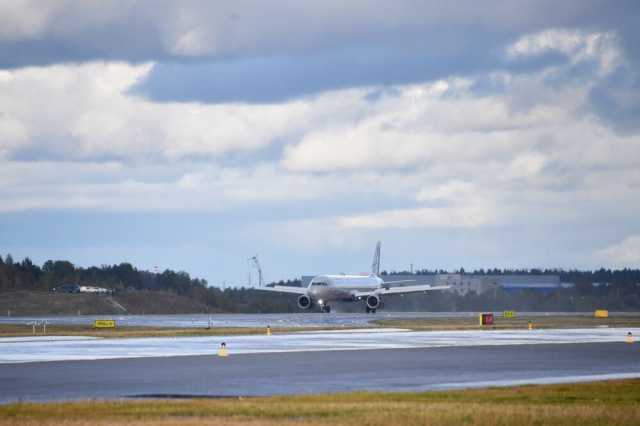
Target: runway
{"points": [[42, 348], [309, 363], [318, 372]]}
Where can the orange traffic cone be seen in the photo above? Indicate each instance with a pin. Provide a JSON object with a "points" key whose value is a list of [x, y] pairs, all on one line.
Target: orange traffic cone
{"points": [[223, 350]]}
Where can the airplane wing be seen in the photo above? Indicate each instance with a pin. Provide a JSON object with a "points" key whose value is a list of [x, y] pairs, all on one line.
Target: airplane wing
{"points": [[401, 290], [283, 289]]}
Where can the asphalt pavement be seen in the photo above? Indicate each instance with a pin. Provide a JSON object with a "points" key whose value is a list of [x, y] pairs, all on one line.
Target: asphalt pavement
{"points": [[407, 369]]}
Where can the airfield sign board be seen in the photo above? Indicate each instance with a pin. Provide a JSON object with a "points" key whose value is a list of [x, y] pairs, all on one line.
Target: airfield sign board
{"points": [[486, 319], [104, 323]]}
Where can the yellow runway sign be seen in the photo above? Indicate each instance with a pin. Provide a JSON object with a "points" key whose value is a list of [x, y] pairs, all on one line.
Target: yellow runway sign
{"points": [[601, 313], [509, 314], [104, 324]]}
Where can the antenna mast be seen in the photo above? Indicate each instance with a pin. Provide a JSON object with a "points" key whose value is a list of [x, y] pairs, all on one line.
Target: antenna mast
{"points": [[256, 263], [249, 270]]}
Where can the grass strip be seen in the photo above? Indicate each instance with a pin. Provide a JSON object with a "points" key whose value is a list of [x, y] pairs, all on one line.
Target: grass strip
{"points": [[522, 323], [609, 402], [417, 324], [20, 330]]}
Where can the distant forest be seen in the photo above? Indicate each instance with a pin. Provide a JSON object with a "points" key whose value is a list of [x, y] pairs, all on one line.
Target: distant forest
{"points": [[612, 276], [617, 289], [25, 275]]}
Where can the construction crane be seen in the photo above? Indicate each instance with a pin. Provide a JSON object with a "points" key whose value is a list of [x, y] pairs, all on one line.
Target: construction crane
{"points": [[256, 264]]}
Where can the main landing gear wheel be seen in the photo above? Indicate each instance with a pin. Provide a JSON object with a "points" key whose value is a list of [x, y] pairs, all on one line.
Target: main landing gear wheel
{"points": [[326, 309], [370, 311]]}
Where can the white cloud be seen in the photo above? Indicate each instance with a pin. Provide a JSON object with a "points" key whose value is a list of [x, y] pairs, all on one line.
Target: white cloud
{"points": [[184, 186], [499, 165], [464, 216], [85, 112], [449, 191], [527, 164], [341, 166], [13, 134], [579, 46], [193, 42], [353, 230], [626, 253], [429, 129]]}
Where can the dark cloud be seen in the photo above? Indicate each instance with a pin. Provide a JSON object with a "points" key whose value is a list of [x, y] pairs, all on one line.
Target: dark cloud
{"points": [[155, 30], [248, 52], [279, 78]]}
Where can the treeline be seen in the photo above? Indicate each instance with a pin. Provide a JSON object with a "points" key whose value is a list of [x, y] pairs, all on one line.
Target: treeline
{"points": [[602, 275], [614, 297], [25, 275], [603, 288]]}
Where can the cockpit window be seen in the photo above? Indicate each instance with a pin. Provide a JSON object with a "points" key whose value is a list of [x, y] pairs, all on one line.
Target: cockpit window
{"points": [[318, 283]]}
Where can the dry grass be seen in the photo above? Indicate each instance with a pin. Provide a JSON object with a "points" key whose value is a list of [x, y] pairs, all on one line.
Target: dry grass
{"points": [[539, 322], [420, 324], [17, 330], [600, 403], [28, 303]]}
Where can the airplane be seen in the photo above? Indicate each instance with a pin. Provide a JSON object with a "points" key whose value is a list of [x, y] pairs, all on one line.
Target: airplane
{"points": [[324, 289]]}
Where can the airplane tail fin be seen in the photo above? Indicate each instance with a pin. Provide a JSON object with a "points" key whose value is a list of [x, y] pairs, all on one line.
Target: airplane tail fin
{"points": [[375, 265]]}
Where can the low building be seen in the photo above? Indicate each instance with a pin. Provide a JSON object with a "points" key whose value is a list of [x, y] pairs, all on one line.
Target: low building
{"points": [[542, 283], [463, 284]]}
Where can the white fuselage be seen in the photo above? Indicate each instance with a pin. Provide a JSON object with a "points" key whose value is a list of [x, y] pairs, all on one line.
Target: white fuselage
{"points": [[324, 288]]}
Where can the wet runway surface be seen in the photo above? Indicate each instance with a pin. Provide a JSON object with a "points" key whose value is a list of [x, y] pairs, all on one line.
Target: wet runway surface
{"points": [[59, 348], [320, 371]]}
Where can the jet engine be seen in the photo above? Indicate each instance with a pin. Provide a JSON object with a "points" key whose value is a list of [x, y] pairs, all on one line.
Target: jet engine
{"points": [[304, 302], [373, 302]]}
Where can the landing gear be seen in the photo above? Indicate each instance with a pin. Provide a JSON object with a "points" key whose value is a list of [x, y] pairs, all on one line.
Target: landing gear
{"points": [[370, 311], [325, 309]]}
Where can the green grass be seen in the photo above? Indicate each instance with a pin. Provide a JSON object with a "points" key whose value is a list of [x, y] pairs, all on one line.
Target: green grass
{"points": [[420, 324], [539, 322], [17, 330], [598, 403]]}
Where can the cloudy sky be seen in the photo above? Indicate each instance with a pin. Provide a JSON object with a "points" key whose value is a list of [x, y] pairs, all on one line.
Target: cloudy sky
{"points": [[193, 134]]}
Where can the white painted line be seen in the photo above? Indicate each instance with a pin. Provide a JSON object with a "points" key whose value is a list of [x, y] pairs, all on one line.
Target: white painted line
{"points": [[535, 381], [21, 339], [356, 330]]}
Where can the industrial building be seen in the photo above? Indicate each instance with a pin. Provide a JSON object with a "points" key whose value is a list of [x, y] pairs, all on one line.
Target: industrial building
{"points": [[542, 283]]}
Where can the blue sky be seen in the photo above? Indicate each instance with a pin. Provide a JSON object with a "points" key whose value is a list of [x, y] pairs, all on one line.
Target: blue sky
{"points": [[192, 135]]}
